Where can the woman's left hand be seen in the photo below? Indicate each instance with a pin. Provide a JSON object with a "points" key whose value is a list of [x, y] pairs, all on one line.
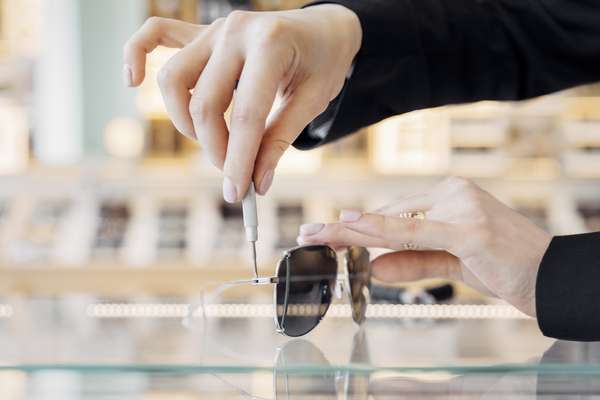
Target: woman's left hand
{"points": [[467, 235]]}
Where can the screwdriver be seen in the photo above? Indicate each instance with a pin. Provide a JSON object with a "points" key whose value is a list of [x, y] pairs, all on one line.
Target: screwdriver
{"points": [[251, 222]]}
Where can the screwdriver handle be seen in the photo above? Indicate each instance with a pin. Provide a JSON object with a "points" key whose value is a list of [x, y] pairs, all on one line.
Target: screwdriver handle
{"points": [[250, 214]]}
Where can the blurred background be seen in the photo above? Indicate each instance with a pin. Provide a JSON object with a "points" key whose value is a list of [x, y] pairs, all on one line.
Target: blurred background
{"points": [[102, 202], [99, 193]]}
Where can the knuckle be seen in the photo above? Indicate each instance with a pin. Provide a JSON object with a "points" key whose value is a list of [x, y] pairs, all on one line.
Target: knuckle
{"points": [[269, 32], [279, 145], [219, 22], [464, 189], [215, 31], [237, 17], [166, 76], [234, 23], [154, 23], [200, 109]]}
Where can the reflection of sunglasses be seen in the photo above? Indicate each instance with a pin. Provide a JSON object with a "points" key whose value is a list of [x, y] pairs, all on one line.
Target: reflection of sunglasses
{"points": [[292, 380], [305, 281], [302, 371]]}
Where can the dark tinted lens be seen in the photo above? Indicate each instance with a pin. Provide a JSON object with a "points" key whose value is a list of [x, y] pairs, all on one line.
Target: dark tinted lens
{"points": [[359, 276], [303, 294]]}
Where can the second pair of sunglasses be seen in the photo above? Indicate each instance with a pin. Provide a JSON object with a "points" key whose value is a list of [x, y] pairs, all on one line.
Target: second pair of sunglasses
{"points": [[306, 280]]}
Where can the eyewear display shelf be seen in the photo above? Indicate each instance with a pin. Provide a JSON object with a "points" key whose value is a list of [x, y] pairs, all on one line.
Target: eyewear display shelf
{"points": [[163, 228], [67, 347]]}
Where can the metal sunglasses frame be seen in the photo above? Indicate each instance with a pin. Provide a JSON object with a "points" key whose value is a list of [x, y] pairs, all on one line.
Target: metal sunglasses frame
{"points": [[342, 284]]}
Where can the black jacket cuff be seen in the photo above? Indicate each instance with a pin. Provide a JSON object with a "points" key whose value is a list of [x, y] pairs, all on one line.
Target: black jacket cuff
{"points": [[567, 288], [375, 72]]}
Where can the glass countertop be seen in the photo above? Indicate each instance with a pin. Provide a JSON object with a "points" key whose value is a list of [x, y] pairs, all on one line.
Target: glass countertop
{"points": [[82, 346]]}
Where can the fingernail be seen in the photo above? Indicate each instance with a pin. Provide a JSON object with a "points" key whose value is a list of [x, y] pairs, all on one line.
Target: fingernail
{"points": [[266, 182], [127, 75], [300, 240], [311, 229], [229, 191], [350, 215]]}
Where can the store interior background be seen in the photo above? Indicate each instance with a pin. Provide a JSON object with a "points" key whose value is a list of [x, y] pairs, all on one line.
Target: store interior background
{"points": [[100, 194], [103, 202], [103, 205]]}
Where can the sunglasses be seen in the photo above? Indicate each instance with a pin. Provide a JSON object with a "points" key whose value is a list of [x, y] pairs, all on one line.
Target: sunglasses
{"points": [[306, 280]]}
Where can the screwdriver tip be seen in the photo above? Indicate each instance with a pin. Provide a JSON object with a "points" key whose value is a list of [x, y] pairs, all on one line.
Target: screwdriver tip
{"points": [[254, 258]]}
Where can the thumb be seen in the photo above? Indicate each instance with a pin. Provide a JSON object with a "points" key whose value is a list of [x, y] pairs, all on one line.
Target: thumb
{"points": [[408, 266], [282, 130]]}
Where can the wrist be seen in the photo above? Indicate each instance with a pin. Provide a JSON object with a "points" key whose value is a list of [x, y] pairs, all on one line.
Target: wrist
{"points": [[351, 23], [346, 23]]}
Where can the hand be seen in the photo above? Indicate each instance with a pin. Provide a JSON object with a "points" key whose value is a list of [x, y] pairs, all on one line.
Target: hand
{"points": [[467, 235], [300, 56]]}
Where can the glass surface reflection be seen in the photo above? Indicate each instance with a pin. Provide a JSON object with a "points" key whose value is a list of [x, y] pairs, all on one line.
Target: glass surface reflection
{"points": [[292, 382], [56, 348]]}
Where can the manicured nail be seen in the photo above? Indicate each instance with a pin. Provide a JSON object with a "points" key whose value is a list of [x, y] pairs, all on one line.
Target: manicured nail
{"points": [[229, 191], [350, 215], [127, 75], [266, 182], [311, 229]]}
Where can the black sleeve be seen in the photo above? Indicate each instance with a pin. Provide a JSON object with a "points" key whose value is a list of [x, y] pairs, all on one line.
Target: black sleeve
{"points": [[567, 288], [425, 53]]}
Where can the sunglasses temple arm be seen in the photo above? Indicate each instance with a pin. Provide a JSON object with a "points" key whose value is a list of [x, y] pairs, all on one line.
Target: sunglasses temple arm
{"points": [[208, 297]]}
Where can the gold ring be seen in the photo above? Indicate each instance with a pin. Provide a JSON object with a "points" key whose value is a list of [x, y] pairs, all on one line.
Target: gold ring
{"points": [[413, 215], [410, 246]]}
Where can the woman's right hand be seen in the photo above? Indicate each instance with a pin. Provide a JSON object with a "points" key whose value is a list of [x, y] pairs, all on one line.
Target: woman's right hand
{"points": [[301, 55]]}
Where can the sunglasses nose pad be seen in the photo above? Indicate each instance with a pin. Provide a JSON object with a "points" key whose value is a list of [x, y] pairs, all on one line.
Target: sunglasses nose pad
{"points": [[339, 290]]}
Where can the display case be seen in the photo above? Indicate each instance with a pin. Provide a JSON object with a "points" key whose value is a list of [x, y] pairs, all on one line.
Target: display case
{"points": [[151, 219], [590, 213], [82, 346], [581, 129]]}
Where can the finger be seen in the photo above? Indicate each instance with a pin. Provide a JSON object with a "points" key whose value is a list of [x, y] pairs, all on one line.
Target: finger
{"points": [[415, 203], [283, 129], [253, 102], [155, 32], [396, 232], [408, 266], [335, 235], [302, 242], [211, 98], [178, 77]]}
